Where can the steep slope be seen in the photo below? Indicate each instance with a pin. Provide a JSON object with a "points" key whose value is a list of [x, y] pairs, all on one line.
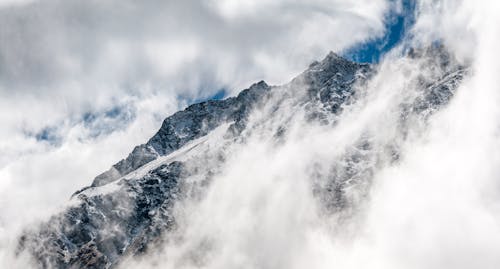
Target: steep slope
{"points": [[129, 209], [195, 121]]}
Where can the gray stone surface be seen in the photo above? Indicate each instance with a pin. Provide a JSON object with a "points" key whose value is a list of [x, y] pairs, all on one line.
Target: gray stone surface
{"points": [[98, 230]]}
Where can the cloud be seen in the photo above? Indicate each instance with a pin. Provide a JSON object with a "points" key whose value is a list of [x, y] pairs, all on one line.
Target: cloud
{"points": [[83, 82], [51, 41], [6, 3], [60, 60], [98, 79], [437, 206]]}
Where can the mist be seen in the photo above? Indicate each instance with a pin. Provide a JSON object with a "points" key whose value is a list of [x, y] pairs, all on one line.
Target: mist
{"points": [[435, 206], [418, 182]]}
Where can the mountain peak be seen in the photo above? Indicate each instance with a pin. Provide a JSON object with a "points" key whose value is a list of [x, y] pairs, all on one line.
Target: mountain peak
{"points": [[139, 195], [333, 55], [260, 84]]}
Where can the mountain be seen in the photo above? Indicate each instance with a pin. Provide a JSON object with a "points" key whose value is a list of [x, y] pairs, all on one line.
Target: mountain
{"points": [[129, 209]]}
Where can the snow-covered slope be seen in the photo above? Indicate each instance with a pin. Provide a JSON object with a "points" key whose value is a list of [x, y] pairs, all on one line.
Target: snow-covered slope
{"points": [[129, 209]]}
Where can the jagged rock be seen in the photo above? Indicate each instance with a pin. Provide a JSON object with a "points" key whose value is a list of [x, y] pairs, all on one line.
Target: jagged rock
{"points": [[129, 207], [184, 126]]}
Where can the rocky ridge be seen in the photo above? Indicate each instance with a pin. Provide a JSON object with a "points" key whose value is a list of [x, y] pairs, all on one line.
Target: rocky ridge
{"points": [[128, 209]]}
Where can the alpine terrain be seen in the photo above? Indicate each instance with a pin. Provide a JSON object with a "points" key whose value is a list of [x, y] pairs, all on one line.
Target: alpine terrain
{"points": [[220, 174]]}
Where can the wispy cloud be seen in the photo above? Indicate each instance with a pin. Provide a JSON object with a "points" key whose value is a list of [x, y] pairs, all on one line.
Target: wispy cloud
{"points": [[82, 82]]}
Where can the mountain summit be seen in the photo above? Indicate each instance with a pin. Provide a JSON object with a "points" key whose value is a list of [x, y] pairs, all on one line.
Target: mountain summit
{"points": [[131, 209]]}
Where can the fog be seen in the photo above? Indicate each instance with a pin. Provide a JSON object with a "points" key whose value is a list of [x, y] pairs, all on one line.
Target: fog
{"points": [[83, 82], [422, 194], [435, 207]]}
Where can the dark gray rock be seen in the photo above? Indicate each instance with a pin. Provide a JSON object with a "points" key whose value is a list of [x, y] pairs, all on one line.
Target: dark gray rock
{"points": [[184, 126], [99, 229]]}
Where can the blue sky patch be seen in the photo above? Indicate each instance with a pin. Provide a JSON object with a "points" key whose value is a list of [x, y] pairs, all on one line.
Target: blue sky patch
{"points": [[396, 25], [49, 135], [219, 95]]}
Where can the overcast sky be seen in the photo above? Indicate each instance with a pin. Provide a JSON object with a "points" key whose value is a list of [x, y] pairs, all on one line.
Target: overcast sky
{"points": [[83, 82]]}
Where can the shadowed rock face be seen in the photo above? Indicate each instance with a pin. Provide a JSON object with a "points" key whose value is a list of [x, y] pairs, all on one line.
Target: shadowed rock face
{"points": [[184, 126], [100, 228], [128, 209]]}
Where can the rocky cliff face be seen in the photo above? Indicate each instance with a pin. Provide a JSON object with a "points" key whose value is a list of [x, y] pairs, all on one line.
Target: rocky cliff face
{"points": [[195, 121], [129, 209]]}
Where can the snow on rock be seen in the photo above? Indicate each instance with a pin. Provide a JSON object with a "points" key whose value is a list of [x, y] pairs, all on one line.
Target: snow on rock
{"points": [[128, 209]]}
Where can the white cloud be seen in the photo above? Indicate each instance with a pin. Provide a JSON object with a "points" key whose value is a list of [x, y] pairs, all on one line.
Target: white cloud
{"points": [[437, 207], [63, 60], [6, 3]]}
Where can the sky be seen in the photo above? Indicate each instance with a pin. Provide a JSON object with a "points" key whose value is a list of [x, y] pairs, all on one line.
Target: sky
{"points": [[396, 24], [436, 206], [83, 82]]}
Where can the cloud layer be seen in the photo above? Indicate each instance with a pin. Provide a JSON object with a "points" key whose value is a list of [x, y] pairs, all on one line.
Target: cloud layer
{"points": [[436, 207], [82, 82]]}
